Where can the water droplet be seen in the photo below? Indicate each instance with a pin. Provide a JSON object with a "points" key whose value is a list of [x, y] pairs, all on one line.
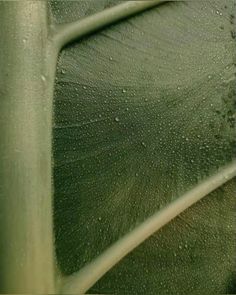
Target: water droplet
{"points": [[24, 40], [84, 87], [143, 144], [43, 78], [110, 58], [209, 76], [63, 71], [117, 119], [124, 90], [99, 218]]}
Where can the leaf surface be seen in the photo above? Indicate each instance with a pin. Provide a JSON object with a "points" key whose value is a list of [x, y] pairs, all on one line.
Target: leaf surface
{"points": [[144, 110]]}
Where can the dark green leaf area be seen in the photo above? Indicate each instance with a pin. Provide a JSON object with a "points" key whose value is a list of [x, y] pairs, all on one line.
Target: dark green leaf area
{"points": [[145, 110]]}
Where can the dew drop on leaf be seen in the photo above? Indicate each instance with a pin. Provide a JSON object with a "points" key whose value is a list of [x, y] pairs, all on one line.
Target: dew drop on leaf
{"points": [[43, 78]]}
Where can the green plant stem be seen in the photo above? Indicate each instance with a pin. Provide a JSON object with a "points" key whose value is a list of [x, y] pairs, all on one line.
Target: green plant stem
{"points": [[75, 30], [83, 280], [28, 63]]}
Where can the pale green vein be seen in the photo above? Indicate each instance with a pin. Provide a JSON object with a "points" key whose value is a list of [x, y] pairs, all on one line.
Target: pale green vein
{"points": [[66, 33]]}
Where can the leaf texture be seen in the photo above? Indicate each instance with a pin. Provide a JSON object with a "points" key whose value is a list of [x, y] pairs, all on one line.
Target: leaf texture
{"points": [[144, 110]]}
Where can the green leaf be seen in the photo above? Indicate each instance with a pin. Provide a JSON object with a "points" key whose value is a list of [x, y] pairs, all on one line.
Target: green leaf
{"points": [[144, 110]]}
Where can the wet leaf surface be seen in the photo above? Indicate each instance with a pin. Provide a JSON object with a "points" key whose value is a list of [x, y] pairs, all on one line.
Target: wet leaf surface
{"points": [[144, 110]]}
